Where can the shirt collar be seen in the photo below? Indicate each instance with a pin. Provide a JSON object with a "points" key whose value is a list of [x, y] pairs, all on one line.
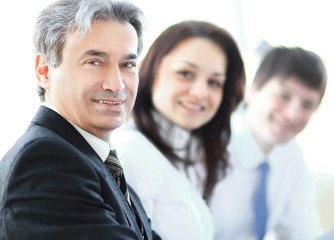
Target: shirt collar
{"points": [[101, 147], [247, 153], [244, 147], [176, 136]]}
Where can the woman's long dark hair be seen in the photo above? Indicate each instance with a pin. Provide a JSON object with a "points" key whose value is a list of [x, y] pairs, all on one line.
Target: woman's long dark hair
{"points": [[214, 135]]}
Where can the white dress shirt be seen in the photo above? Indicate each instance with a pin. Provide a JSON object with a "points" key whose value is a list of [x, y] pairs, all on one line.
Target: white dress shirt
{"points": [[176, 209], [291, 197], [101, 147]]}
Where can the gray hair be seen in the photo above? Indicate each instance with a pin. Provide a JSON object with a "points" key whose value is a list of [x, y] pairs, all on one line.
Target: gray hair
{"points": [[60, 18]]}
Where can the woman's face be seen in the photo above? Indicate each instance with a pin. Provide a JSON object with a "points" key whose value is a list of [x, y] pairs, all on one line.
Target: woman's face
{"points": [[188, 87]]}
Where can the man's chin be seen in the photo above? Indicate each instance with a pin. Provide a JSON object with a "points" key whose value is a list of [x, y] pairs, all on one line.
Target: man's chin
{"points": [[280, 137], [283, 139]]}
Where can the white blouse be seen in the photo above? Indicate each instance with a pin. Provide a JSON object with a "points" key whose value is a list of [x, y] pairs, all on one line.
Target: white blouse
{"points": [[172, 202]]}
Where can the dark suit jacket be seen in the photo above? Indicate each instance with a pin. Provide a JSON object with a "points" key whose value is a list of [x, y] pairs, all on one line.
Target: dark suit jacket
{"points": [[53, 185]]}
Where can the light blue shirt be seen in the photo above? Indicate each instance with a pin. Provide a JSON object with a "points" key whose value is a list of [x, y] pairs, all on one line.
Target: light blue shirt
{"points": [[290, 193]]}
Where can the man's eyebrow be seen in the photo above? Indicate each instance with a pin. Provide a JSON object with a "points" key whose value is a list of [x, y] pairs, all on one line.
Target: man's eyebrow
{"points": [[94, 52], [130, 56], [99, 53]]}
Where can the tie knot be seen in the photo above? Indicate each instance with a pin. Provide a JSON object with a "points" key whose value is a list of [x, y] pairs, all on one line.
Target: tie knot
{"points": [[113, 163], [112, 153], [116, 170], [112, 156]]}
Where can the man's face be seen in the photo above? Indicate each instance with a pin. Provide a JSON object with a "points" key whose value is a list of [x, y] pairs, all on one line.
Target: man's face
{"points": [[96, 83], [280, 110]]}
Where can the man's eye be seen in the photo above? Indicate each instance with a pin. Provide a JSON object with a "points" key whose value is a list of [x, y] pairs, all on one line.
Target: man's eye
{"points": [[94, 62], [284, 96], [309, 105], [129, 65]]}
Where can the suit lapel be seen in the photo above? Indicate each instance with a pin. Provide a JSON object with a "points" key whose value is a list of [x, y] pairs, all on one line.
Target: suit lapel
{"points": [[51, 120], [56, 123], [140, 212]]}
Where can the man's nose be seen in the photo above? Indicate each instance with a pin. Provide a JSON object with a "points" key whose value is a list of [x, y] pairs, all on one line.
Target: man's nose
{"points": [[294, 111], [113, 80]]}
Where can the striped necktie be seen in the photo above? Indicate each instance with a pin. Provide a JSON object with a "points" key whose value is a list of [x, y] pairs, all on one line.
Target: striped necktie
{"points": [[260, 202], [116, 170]]}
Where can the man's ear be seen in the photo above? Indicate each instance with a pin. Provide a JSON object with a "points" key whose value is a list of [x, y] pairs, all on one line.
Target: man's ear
{"points": [[42, 71]]}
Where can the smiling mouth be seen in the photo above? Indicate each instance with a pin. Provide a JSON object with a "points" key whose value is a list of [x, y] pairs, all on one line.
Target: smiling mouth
{"points": [[109, 102], [193, 107]]}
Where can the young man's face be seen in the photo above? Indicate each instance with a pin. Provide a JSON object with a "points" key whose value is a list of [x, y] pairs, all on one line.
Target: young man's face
{"points": [[96, 83], [280, 110]]}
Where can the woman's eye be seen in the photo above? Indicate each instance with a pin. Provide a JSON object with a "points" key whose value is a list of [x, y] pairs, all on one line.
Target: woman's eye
{"points": [[215, 83], [186, 74]]}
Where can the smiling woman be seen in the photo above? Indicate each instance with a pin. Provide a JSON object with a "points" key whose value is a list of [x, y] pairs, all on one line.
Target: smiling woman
{"points": [[186, 70], [189, 85]]}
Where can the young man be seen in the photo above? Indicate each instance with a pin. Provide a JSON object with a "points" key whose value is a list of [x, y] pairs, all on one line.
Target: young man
{"points": [[54, 183], [267, 167]]}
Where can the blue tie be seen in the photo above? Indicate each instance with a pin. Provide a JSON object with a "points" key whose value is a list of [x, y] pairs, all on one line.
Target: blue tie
{"points": [[260, 203]]}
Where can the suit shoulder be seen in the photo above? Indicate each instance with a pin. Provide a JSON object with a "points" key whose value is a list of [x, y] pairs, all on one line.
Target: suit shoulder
{"points": [[40, 148]]}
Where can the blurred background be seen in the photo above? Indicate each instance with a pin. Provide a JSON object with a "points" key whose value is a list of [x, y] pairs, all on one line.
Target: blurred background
{"points": [[255, 24]]}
